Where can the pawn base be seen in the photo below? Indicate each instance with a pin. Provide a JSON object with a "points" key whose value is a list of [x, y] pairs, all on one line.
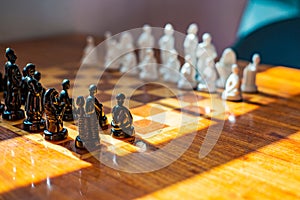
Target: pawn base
{"points": [[12, 115], [120, 135], [56, 136], [78, 143], [103, 124], [34, 126]]}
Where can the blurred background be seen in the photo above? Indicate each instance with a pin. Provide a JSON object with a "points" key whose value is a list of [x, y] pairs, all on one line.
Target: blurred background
{"points": [[232, 23]]}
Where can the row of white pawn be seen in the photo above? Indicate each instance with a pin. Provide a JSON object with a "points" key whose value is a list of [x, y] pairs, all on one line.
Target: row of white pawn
{"points": [[205, 76]]}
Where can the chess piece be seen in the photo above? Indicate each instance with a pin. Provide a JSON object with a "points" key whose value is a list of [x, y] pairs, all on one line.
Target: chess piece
{"points": [[94, 106], [112, 57], [208, 46], [93, 111], [166, 43], [128, 59], [37, 75], [122, 120], [249, 75], [202, 56], [227, 59], [33, 106], [209, 77], [90, 54], [171, 68], [82, 124], [148, 67], [64, 97], [126, 43], [12, 91], [191, 42], [187, 79], [24, 88], [232, 90], [54, 111], [145, 41]]}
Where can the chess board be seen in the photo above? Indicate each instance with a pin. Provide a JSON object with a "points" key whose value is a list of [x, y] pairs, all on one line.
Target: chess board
{"points": [[161, 112], [256, 155]]}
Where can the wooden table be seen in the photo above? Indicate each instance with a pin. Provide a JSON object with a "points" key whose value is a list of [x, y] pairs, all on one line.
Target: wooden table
{"points": [[257, 155]]}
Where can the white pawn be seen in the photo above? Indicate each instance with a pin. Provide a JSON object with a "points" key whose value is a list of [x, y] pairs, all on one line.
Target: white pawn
{"points": [[209, 77], [129, 64], [112, 57], [202, 56], [228, 58], [232, 90], [171, 72], [148, 67], [187, 79], [90, 55], [208, 46], [249, 75], [145, 41], [191, 42], [126, 43], [166, 43]]}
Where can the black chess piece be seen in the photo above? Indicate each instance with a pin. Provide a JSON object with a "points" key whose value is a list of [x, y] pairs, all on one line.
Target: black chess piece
{"points": [[92, 109], [103, 122], [37, 75], [24, 89], [64, 97], [82, 128], [122, 121], [54, 111], [12, 89], [33, 106]]}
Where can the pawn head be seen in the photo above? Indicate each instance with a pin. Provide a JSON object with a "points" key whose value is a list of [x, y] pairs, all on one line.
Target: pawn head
{"points": [[37, 75], [10, 55], [169, 30], [80, 101], [206, 37], [192, 29], [256, 59], [93, 89], [235, 69], [66, 84], [30, 69], [120, 98]]}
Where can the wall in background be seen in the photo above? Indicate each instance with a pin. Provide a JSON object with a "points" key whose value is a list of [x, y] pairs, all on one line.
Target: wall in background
{"points": [[36, 18]]}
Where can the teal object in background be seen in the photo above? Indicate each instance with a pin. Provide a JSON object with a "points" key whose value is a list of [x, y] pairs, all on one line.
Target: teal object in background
{"points": [[259, 13], [272, 29]]}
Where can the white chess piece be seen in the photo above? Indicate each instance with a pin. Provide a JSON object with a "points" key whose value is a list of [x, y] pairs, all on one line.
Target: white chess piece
{"points": [[112, 57], [191, 42], [232, 90], [166, 43], [171, 72], [209, 77], [202, 56], [126, 43], [187, 79], [228, 58], [129, 63], [208, 46], [148, 67], [145, 41], [249, 75], [90, 53]]}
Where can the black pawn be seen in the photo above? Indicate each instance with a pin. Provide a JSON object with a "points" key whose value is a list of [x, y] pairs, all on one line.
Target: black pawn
{"points": [[34, 101], [54, 110], [64, 97], [122, 121], [82, 128], [12, 88]]}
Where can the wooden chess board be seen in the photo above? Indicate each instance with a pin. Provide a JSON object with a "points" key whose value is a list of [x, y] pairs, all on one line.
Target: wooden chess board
{"points": [[255, 156]]}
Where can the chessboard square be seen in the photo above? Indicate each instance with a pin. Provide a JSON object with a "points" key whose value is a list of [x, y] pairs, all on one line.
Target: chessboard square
{"points": [[173, 118], [163, 92], [167, 92], [172, 103], [102, 96], [145, 126], [194, 110], [146, 110], [145, 98], [147, 86], [191, 97]]}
